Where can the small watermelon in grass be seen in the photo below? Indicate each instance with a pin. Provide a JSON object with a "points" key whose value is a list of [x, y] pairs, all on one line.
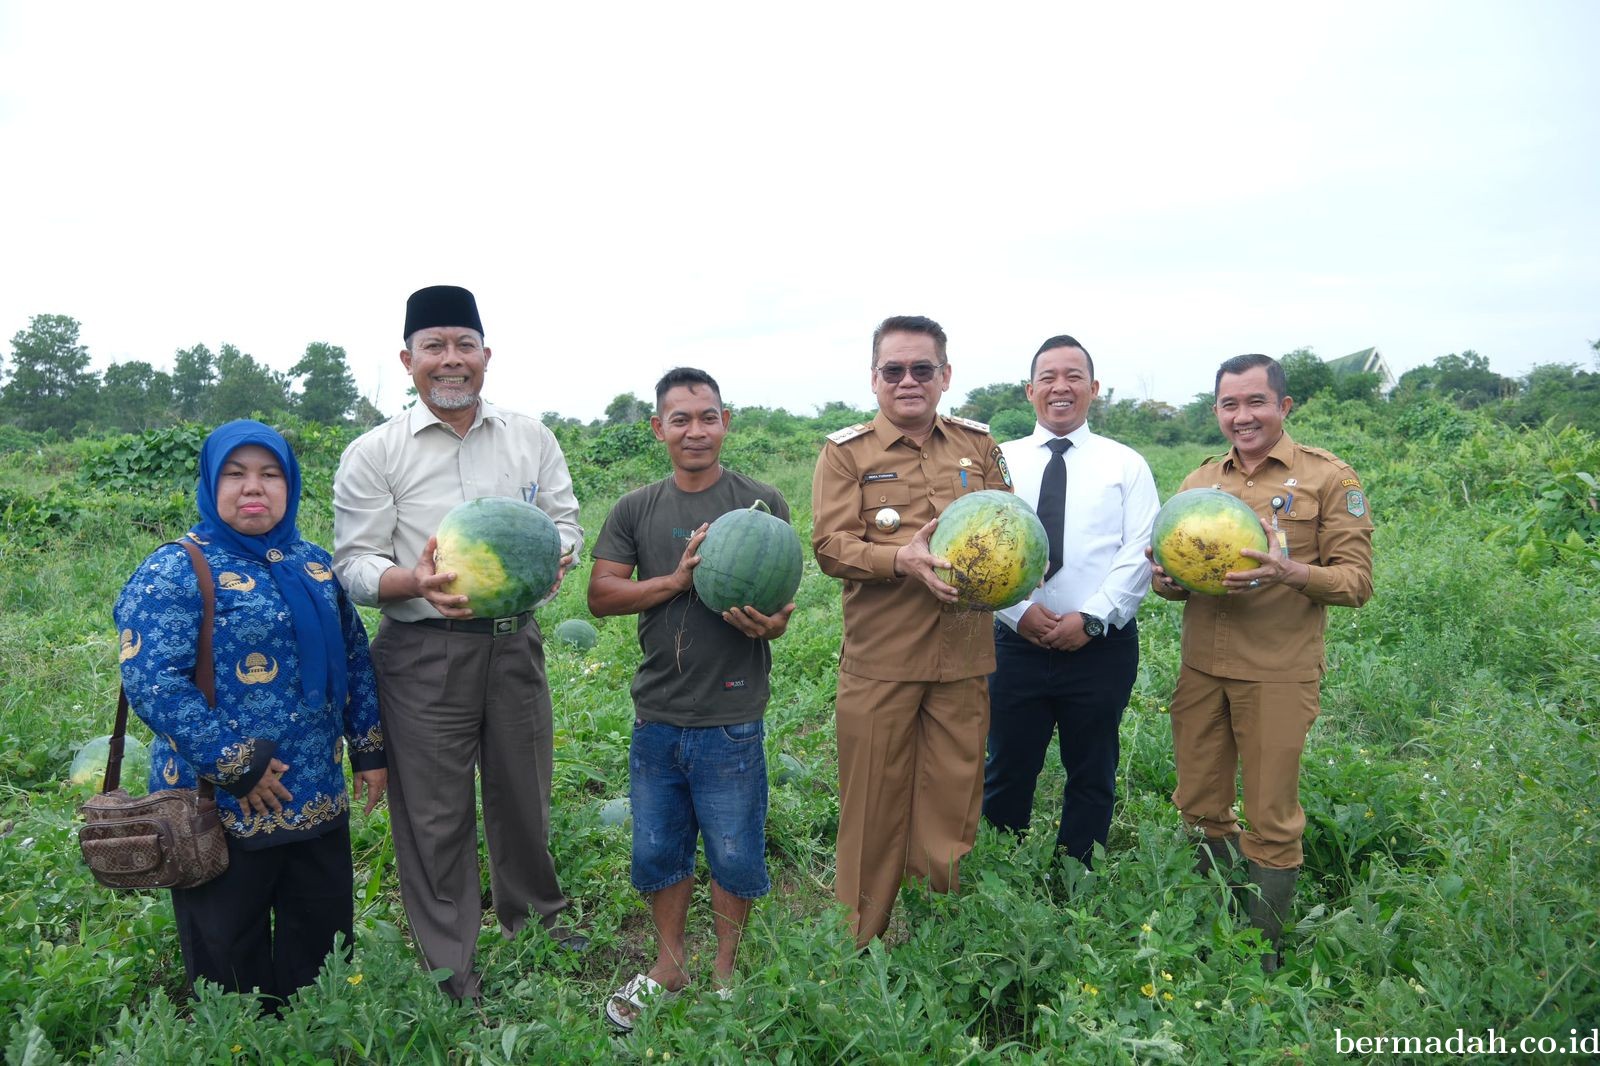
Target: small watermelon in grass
{"points": [[1198, 536], [577, 633], [615, 812], [996, 548], [749, 558], [505, 554], [89, 764]]}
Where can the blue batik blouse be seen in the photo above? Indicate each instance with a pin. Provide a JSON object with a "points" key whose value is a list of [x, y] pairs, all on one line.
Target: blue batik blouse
{"points": [[261, 711]]}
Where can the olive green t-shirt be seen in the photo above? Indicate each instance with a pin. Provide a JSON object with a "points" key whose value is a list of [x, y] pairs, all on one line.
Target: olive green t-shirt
{"points": [[698, 670]]}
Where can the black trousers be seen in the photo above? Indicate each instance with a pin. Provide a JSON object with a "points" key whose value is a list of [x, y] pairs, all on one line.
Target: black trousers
{"points": [[268, 922], [1035, 692]]}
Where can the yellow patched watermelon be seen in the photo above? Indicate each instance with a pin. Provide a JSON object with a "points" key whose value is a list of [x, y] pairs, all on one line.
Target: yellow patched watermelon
{"points": [[1198, 536], [996, 548], [505, 554]]}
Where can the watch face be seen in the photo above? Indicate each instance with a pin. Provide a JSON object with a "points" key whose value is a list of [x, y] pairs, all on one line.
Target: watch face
{"points": [[1093, 626]]}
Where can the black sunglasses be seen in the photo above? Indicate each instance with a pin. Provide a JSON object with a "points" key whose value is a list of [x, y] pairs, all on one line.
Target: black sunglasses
{"points": [[893, 372]]}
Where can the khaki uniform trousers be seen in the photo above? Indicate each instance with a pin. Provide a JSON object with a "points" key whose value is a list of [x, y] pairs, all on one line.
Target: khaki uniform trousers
{"points": [[452, 702], [1217, 725], [910, 788]]}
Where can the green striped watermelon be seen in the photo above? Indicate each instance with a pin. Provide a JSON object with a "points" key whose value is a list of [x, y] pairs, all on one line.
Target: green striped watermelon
{"points": [[750, 558], [578, 633], [505, 554]]}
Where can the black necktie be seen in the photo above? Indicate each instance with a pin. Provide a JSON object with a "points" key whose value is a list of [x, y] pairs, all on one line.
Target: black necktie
{"points": [[1052, 507]]}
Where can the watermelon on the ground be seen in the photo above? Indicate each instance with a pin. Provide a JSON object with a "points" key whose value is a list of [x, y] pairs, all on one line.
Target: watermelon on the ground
{"points": [[789, 770], [614, 812], [1198, 536], [89, 764], [996, 548], [504, 552], [577, 633], [750, 558]]}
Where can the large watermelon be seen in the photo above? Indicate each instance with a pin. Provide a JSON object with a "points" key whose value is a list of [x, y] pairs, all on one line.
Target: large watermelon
{"points": [[1198, 536], [505, 554], [996, 548], [750, 558]]}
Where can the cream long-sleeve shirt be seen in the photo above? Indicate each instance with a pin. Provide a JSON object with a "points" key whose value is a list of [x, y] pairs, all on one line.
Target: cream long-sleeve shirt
{"points": [[396, 482], [1111, 507]]}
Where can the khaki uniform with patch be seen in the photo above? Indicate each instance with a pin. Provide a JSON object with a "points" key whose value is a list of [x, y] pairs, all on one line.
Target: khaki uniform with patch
{"points": [[913, 699], [1253, 662]]}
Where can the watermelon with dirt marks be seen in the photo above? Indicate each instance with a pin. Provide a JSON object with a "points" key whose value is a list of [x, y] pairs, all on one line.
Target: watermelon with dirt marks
{"points": [[996, 548], [1199, 537]]}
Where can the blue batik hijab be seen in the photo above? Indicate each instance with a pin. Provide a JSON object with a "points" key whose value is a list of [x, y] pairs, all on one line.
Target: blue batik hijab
{"points": [[316, 626]]}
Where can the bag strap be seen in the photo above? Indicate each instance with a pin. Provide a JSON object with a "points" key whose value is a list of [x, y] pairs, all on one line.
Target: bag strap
{"points": [[205, 673]]}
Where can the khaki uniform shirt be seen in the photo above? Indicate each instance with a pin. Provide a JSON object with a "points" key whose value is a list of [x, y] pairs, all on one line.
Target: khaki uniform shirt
{"points": [[395, 483], [894, 628], [1276, 634]]}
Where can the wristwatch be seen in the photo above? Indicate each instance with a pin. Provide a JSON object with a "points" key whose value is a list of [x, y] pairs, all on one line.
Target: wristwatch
{"points": [[1092, 626]]}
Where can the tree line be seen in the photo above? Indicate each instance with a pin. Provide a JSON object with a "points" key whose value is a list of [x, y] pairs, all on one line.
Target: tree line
{"points": [[1560, 394], [47, 386], [50, 388]]}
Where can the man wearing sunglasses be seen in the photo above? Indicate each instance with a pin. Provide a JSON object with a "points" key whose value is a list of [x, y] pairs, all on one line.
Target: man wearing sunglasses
{"points": [[913, 699]]}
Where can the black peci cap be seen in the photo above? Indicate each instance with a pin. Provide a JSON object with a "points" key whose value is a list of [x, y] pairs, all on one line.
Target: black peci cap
{"points": [[442, 305]]}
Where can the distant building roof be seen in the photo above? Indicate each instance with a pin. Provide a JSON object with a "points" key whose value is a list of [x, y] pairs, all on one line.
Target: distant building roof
{"points": [[1366, 361]]}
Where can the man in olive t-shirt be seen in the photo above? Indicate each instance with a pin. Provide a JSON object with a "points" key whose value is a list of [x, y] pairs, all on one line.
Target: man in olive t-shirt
{"points": [[696, 766]]}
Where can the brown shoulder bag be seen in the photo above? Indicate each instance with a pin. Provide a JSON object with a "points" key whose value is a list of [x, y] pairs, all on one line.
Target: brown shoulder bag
{"points": [[168, 839]]}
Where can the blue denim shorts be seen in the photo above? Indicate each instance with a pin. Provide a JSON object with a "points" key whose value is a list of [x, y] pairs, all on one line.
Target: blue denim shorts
{"points": [[687, 783]]}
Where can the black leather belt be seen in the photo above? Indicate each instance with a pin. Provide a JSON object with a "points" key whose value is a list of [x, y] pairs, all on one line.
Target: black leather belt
{"points": [[498, 627]]}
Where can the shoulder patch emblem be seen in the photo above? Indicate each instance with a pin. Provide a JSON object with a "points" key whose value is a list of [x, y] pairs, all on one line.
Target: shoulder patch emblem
{"points": [[1355, 502], [970, 423], [1350, 483], [839, 436], [1000, 461]]}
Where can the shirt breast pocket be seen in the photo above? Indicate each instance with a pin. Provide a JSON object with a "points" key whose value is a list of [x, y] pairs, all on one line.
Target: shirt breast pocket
{"points": [[881, 494], [966, 481], [1300, 527]]}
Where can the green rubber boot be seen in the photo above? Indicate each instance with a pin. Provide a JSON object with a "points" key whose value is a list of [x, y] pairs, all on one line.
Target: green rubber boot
{"points": [[1270, 906]]}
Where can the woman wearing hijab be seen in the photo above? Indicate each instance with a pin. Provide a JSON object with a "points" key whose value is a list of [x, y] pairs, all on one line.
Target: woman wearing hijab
{"points": [[294, 692]]}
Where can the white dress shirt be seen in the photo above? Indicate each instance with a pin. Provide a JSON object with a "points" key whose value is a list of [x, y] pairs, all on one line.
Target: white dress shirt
{"points": [[1111, 508], [396, 482]]}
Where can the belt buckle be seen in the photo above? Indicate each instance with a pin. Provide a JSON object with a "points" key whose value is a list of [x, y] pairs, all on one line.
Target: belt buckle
{"points": [[502, 626]]}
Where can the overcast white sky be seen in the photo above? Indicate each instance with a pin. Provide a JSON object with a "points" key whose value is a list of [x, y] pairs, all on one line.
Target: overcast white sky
{"points": [[749, 187]]}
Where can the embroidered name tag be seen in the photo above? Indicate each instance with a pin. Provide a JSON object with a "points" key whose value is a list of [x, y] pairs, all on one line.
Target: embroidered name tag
{"points": [[887, 476]]}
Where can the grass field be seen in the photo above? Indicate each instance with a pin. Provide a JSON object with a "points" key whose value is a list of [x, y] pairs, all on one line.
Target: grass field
{"points": [[1452, 787]]}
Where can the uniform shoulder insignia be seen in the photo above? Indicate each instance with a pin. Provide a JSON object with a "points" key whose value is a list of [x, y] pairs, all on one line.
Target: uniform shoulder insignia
{"points": [[839, 436], [970, 423], [1322, 453]]}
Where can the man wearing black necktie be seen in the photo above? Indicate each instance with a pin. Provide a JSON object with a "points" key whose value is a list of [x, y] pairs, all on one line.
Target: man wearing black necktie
{"points": [[1066, 657]]}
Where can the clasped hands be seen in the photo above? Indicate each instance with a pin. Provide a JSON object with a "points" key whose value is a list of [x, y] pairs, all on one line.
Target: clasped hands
{"points": [[269, 794]]}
